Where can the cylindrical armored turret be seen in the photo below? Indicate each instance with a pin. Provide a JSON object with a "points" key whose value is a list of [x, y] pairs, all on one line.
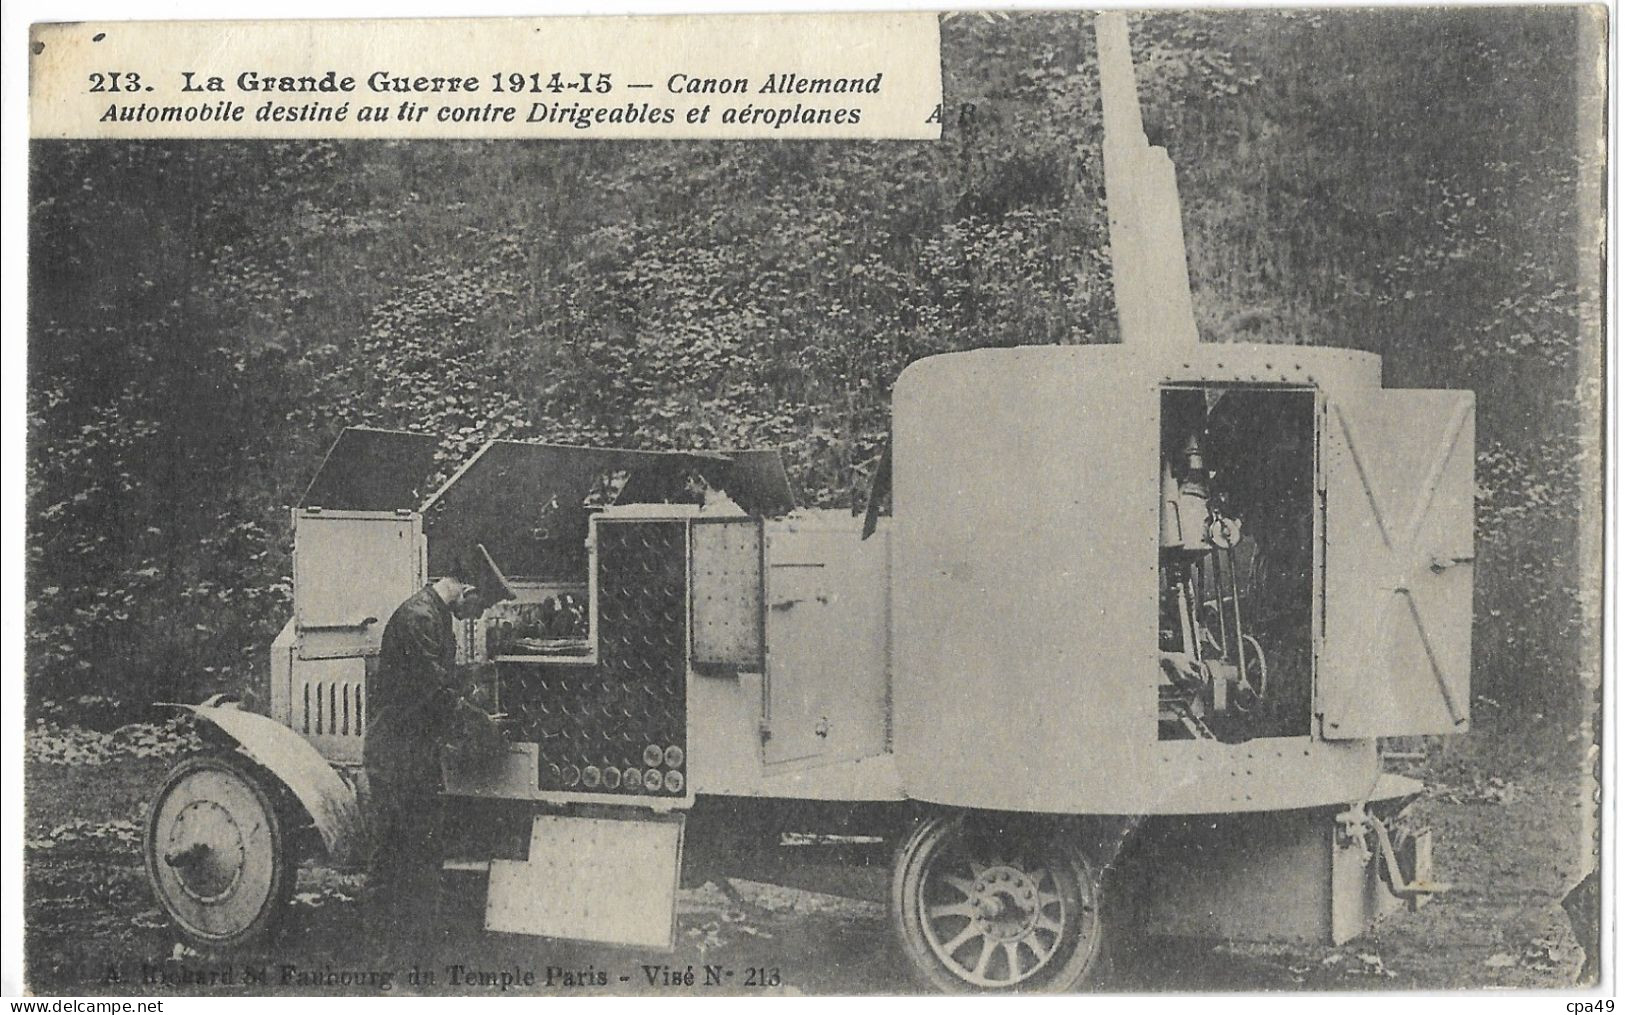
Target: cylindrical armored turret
{"points": [[1171, 577], [1027, 545]]}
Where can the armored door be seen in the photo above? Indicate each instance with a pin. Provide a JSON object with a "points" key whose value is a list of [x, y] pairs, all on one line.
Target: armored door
{"points": [[350, 570], [1398, 564], [801, 656]]}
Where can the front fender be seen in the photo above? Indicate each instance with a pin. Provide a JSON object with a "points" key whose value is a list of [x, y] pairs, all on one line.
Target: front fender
{"points": [[329, 799]]}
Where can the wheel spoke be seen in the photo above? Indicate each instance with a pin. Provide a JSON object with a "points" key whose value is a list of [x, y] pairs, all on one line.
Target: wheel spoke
{"points": [[964, 909], [988, 948], [966, 887], [1048, 923], [969, 932]]}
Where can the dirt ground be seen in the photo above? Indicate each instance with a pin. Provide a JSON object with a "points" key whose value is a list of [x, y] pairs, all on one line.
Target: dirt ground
{"points": [[1506, 808]]}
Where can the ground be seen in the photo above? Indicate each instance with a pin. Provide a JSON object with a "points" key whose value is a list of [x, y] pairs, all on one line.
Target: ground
{"points": [[1506, 805]]}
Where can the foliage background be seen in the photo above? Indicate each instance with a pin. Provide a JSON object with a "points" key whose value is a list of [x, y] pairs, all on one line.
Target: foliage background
{"points": [[206, 316]]}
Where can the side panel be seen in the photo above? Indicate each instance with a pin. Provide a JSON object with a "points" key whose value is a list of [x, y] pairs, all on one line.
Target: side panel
{"points": [[802, 674], [1257, 877], [1024, 591], [729, 709], [1286, 876], [826, 681], [725, 592], [280, 706], [561, 891], [1399, 564], [828, 669], [350, 570]]}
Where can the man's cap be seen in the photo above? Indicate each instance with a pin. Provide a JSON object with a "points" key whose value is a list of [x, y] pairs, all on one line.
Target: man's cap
{"points": [[484, 575]]}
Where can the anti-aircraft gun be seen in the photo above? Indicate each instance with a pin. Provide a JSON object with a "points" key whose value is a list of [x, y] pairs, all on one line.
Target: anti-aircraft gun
{"points": [[1144, 698]]}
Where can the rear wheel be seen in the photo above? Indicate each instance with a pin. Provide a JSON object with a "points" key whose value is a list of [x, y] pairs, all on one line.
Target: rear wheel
{"points": [[977, 908], [216, 852]]}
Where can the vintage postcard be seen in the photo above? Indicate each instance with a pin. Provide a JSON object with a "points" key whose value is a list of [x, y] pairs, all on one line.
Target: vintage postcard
{"points": [[850, 503]]}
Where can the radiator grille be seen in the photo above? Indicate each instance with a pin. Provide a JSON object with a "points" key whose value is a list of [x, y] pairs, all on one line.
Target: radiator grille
{"points": [[330, 714]]}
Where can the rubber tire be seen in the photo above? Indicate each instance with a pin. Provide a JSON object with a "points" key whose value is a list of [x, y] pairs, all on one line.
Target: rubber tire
{"points": [[283, 866], [1078, 967]]}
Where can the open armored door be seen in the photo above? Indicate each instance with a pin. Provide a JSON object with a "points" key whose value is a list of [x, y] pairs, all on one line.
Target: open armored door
{"points": [[358, 541], [1398, 474], [350, 570]]}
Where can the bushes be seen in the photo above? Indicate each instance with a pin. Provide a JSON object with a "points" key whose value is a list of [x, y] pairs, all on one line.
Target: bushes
{"points": [[206, 317]]}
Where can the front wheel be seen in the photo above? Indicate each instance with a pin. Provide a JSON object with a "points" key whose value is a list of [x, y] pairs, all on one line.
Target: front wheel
{"points": [[217, 852], [979, 908]]}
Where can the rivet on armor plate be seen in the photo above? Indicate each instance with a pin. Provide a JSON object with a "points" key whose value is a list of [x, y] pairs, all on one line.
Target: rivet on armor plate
{"points": [[674, 782], [591, 777], [652, 755], [571, 775], [674, 756], [612, 778], [632, 778], [652, 779]]}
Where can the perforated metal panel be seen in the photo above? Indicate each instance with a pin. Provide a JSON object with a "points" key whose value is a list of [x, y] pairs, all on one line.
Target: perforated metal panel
{"points": [[727, 592], [626, 715], [636, 905]]}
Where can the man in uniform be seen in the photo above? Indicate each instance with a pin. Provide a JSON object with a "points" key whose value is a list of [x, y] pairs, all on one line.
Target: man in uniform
{"points": [[414, 697]]}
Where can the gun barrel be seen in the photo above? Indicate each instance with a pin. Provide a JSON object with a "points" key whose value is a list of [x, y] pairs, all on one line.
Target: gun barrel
{"points": [[1149, 274]]}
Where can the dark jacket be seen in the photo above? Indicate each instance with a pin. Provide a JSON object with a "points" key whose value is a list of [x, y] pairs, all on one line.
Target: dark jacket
{"points": [[414, 691]]}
